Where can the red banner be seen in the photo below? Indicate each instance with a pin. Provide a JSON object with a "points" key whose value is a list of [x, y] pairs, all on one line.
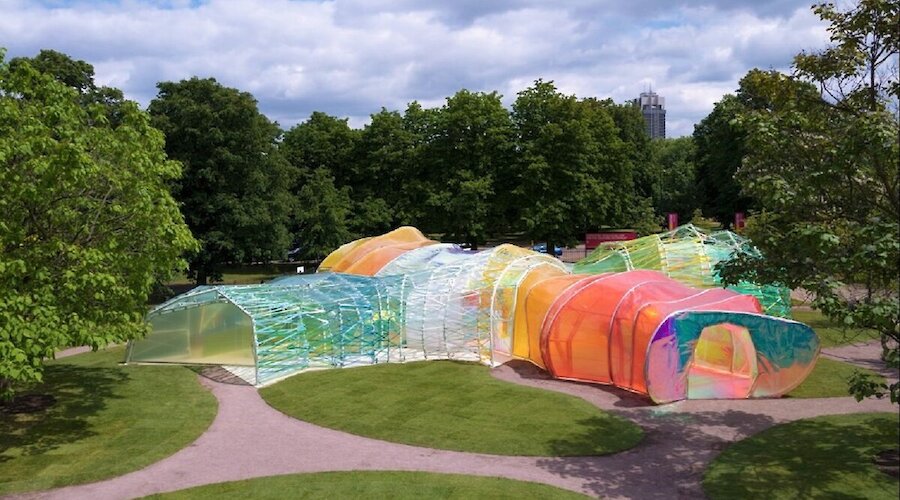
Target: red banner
{"points": [[593, 240], [739, 220], [673, 220]]}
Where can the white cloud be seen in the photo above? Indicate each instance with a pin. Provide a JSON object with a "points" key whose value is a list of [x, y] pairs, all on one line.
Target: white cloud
{"points": [[351, 57]]}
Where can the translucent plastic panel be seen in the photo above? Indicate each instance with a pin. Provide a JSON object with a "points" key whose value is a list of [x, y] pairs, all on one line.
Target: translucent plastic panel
{"points": [[538, 303], [505, 296], [575, 341], [785, 354], [522, 340], [690, 256], [402, 235], [374, 261], [330, 320], [420, 259], [336, 256], [209, 333]]}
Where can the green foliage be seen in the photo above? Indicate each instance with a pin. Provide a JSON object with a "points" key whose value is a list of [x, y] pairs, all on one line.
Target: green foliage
{"points": [[87, 224], [469, 152], [676, 186], [374, 484], [824, 167], [823, 457], [719, 140], [574, 172], [440, 404], [107, 420], [321, 215], [235, 189], [78, 75]]}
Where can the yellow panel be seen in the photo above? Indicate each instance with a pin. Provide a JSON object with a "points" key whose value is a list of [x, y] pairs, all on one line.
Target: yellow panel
{"points": [[213, 333], [335, 256]]}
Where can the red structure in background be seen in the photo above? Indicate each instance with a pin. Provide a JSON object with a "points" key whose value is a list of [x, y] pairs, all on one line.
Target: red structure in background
{"points": [[738, 221], [594, 240], [672, 219]]}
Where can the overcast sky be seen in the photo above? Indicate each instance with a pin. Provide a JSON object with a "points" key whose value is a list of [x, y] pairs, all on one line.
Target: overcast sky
{"points": [[351, 57]]}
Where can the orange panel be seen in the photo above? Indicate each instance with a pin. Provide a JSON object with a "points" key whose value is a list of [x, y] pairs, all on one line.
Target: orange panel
{"points": [[537, 303], [405, 234], [575, 338], [520, 340], [372, 262], [335, 256]]}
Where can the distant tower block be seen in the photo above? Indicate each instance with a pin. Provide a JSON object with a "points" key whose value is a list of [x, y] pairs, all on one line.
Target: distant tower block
{"points": [[653, 107]]}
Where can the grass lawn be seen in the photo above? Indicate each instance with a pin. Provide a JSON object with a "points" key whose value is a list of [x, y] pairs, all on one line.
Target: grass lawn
{"points": [[830, 333], [453, 406], [107, 420], [376, 484], [823, 457], [828, 379]]}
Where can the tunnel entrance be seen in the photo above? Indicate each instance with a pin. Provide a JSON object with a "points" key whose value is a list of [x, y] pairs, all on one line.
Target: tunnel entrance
{"points": [[724, 363]]}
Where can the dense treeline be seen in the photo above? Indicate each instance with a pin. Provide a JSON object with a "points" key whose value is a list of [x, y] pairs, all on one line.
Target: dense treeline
{"points": [[548, 169], [551, 168]]}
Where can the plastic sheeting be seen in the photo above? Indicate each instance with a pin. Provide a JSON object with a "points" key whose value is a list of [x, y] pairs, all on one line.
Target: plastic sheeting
{"points": [[689, 255], [640, 330]]}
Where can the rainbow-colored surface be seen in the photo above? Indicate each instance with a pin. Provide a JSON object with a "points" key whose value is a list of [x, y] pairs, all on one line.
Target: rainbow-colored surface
{"points": [[400, 297]]}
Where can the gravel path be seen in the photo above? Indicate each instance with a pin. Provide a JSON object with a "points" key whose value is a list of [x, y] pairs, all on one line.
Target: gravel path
{"points": [[250, 439]]}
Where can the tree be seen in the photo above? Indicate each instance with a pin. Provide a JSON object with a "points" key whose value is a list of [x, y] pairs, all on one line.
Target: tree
{"points": [[87, 224], [78, 75], [470, 150], [676, 189], [387, 151], [327, 142], [574, 174], [719, 140], [322, 214], [823, 161], [235, 189]]}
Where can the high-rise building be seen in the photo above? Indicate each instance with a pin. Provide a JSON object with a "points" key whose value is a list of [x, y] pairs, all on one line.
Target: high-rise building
{"points": [[653, 107]]}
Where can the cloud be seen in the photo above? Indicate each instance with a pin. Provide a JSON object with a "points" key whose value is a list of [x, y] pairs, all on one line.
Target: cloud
{"points": [[351, 57]]}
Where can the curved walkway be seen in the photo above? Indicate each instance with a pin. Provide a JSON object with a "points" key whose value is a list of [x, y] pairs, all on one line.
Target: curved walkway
{"points": [[250, 439]]}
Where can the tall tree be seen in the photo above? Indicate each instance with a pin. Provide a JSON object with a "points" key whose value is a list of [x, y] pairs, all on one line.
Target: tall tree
{"points": [[573, 174], [387, 152], [321, 218], [235, 189], [78, 75], [676, 189], [719, 140], [328, 142], [472, 147], [638, 147], [823, 155], [87, 223]]}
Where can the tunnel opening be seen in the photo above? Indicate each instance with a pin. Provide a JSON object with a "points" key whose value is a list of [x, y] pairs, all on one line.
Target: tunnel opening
{"points": [[724, 363]]}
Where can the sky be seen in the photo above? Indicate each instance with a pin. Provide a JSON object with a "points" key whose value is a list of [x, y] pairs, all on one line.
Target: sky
{"points": [[350, 58]]}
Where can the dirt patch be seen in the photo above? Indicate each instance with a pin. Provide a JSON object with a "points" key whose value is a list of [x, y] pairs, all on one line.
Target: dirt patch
{"points": [[27, 403]]}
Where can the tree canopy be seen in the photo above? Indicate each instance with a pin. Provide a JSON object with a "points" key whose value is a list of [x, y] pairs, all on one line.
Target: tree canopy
{"points": [[822, 159], [87, 224], [235, 191]]}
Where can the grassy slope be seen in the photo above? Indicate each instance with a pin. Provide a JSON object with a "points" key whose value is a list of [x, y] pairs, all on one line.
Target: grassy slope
{"points": [[399, 485], [830, 333], [824, 457], [108, 420], [828, 379], [450, 405]]}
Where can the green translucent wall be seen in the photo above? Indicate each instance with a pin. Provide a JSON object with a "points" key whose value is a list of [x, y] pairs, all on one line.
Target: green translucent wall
{"points": [[214, 332], [688, 255]]}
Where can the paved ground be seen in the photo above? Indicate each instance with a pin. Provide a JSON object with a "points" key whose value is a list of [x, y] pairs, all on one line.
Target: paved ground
{"points": [[250, 439]]}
